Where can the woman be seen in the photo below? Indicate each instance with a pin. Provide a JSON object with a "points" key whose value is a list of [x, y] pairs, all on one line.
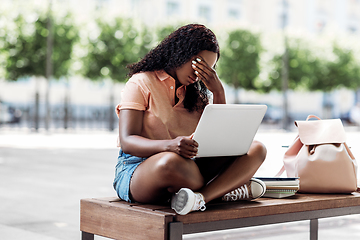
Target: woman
{"points": [[161, 105]]}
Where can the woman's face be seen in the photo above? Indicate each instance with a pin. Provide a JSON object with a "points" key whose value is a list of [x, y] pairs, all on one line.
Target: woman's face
{"points": [[185, 74]]}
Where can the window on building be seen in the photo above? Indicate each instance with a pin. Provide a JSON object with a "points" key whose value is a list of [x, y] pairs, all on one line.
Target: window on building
{"points": [[283, 9], [205, 12], [353, 23], [322, 18], [234, 7], [172, 8], [320, 25], [234, 14], [101, 3], [352, 29]]}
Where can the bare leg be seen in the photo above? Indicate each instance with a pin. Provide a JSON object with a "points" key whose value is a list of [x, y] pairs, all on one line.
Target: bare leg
{"points": [[159, 176], [238, 173]]}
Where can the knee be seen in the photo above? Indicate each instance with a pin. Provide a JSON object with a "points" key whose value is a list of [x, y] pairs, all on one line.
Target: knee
{"points": [[168, 164], [179, 171], [258, 149]]}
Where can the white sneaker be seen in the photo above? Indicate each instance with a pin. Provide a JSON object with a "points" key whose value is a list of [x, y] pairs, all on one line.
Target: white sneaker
{"points": [[185, 201], [253, 189]]}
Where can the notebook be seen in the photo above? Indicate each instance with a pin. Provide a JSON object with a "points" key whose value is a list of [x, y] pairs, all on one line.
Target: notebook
{"points": [[278, 187], [227, 129]]}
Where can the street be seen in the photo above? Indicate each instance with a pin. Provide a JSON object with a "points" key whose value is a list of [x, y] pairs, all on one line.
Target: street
{"points": [[44, 176]]}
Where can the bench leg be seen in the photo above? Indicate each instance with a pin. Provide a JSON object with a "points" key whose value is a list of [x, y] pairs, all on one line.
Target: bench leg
{"points": [[87, 236], [314, 228], [175, 230]]}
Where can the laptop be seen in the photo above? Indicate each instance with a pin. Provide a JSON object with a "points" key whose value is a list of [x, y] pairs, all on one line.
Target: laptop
{"points": [[227, 129]]}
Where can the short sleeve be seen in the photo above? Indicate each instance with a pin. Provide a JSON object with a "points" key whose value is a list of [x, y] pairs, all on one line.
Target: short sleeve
{"points": [[134, 96]]}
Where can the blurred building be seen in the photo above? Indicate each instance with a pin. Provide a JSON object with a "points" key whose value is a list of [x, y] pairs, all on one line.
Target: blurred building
{"points": [[313, 16], [303, 17]]}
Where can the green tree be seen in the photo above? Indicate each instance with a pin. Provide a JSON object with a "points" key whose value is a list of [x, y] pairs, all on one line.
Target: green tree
{"points": [[314, 73], [295, 69], [163, 31], [111, 47], [310, 72], [343, 71], [25, 48], [145, 40], [110, 52], [239, 62], [304, 67]]}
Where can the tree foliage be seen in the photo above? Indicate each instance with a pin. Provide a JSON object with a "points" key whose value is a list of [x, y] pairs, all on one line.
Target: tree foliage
{"points": [[309, 72], [239, 61], [145, 41], [343, 71], [25, 47], [304, 67], [117, 45], [164, 31]]}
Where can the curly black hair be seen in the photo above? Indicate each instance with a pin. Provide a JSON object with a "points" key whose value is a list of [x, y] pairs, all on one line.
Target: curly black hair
{"points": [[175, 50]]}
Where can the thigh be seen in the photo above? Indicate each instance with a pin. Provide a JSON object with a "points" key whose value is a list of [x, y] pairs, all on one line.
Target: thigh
{"points": [[210, 167], [155, 179]]}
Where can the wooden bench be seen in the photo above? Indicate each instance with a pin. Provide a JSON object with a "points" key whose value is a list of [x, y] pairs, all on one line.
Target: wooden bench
{"points": [[116, 219]]}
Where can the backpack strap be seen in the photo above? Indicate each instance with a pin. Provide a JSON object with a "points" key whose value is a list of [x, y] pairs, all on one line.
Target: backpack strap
{"points": [[312, 116]]}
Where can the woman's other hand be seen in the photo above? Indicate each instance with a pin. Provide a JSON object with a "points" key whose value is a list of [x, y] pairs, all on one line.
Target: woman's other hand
{"points": [[184, 146]]}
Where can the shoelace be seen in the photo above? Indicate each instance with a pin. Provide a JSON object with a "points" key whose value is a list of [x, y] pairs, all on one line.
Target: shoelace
{"points": [[239, 193]]}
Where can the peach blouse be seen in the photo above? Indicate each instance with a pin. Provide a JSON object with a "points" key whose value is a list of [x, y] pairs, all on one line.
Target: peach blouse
{"points": [[154, 93]]}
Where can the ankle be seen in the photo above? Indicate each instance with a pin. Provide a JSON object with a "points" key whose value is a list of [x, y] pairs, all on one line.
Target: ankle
{"points": [[203, 196]]}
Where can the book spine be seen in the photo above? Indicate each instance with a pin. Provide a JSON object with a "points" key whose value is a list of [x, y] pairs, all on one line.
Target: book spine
{"points": [[282, 187], [275, 179], [280, 191], [282, 183]]}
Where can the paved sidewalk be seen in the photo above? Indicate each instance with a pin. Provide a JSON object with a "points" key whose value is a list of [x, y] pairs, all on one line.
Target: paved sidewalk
{"points": [[43, 176]]}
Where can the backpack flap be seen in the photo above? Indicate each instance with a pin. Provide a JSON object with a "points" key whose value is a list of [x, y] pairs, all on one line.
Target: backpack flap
{"points": [[321, 131]]}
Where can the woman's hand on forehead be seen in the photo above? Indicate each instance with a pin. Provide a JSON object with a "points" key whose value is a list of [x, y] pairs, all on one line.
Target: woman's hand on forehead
{"points": [[201, 60], [207, 74]]}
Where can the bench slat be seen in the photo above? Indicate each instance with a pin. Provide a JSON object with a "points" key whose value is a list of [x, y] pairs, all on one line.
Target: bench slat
{"points": [[114, 219], [267, 206], [117, 219]]}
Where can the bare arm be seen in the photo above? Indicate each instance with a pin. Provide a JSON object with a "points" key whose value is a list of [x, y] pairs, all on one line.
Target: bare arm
{"points": [[130, 126]]}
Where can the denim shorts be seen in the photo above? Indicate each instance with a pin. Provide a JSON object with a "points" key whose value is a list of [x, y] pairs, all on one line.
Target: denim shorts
{"points": [[124, 170]]}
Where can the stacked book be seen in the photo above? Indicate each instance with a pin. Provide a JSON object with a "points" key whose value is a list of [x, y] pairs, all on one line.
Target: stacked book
{"points": [[279, 187]]}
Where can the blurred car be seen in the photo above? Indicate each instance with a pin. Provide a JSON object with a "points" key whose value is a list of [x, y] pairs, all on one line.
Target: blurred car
{"points": [[9, 114], [273, 114], [354, 114]]}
